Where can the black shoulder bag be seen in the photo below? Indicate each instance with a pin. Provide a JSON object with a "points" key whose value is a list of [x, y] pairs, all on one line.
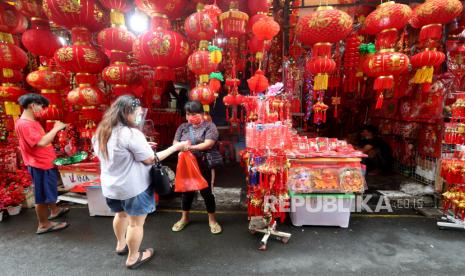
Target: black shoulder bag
{"points": [[213, 156], [160, 177]]}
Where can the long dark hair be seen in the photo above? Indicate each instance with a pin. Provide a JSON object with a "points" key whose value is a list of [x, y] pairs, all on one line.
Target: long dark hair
{"points": [[116, 114]]}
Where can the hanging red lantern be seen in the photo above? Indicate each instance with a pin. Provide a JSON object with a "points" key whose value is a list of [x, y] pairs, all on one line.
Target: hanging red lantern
{"points": [[426, 61], [257, 6], [71, 13], [233, 23], [254, 19], [10, 76], [388, 15], [9, 18], [326, 24], [256, 45], [81, 57], [85, 95], [116, 38], [258, 83], [12, 57], [214, 11], [438, 11], [118, 73], [319, 110], [204, 95], [172, 8], [161, 48], [266, 28], [10, 92], [321, 67], [200, 26], [119, 5], [200, 63], [47, 79], [40, 40], [31, 8]]}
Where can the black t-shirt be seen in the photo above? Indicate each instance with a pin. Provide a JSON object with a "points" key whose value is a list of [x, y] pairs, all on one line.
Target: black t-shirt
{"points": [[379, 145]]}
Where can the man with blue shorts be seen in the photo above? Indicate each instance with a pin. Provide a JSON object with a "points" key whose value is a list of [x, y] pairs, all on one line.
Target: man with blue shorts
{"points": [[38, 155]]}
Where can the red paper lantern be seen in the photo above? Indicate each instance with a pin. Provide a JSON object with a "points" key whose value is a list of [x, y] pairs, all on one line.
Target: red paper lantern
{"points": [[384, 66], [47, 79], [85, 95], [10, 93], [22, 25], [232, 82], [214, 11], [116, 38], [326, 24], [12, 57], [81, 58], [321, 67], [40, 40], [256, 45], [233, 23], [258, 82], [257, 6], [389, 15], [118, 73], [438, 11], [31, 8], [200, 26], [214, 85], [9, 18], [161, 48], [233, 99], [72, 13], [266, 28], [204, 95], [200, 63], [10, 76], [172, 8], [254, 19], [426, 61]]}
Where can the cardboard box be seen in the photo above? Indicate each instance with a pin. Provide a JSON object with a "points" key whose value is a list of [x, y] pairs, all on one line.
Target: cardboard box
{"points": [[96, 202]]}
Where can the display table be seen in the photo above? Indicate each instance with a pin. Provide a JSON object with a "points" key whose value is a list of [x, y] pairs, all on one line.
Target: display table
{"points": [[322, 190]]}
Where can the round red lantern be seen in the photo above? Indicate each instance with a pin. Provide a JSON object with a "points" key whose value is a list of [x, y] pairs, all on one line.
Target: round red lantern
{"points": [[10, 92], [31, 8], [116, 38], [200, 63], [118, 73], [172, 8], [119, 5], [426, 61], [233, 23], [46, 79], [257, 6], [10, 76], [258, 82], [204, 95], [254, 19], [81, 58], [12, 57], [200, 26], [9, 18], [266, 28], [389, 15], [321, 67], [162, 48], [438, 11], [72, 13], [85, 95], [40, 40], [326, 24], [385, 65], [214, 11], [233, 99]]}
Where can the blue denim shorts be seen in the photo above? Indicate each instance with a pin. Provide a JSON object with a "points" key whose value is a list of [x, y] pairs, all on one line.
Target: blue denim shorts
{"points": [[45, 185], [141, 204]]}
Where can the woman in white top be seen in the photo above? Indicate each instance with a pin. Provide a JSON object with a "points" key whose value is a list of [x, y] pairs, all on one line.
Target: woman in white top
{"points": [[125, 161]]}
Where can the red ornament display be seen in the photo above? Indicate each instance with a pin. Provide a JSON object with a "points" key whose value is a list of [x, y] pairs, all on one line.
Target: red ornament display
{"points": [[389, 15], [12, 57], [254, 19], [116, 39], [10, 18], [47, 80], [31, 8], [321, 67], [118, 73], [72, 13], [426, 61], [40, 40], [214, 11], [10, 93], [258, 83]]}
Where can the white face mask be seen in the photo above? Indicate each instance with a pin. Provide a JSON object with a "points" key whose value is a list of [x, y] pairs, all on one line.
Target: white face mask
{"points": [[138, 119]]}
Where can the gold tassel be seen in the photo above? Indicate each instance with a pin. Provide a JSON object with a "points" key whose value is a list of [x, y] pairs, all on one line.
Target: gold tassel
{"points": [[321, 82], [206, 108], [117, 18], [429, 74], [203, 78], [424, 75]]}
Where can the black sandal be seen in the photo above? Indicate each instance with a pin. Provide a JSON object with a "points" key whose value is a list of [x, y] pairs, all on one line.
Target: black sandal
{"points": [[139, 261], [123, 252]]}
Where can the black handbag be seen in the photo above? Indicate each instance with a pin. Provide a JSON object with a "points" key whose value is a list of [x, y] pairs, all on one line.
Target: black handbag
{"points": [[161, 178], [213, 157]]}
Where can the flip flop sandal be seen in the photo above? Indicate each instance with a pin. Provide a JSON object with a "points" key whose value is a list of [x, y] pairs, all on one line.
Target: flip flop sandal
{"points": [[60, 213], [215, 228], [55, 227], [179, 226], [139, 261], [123, 252]]}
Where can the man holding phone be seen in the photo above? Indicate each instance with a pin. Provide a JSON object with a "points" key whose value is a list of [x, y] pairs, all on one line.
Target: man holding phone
{"points": [[38, 155]]}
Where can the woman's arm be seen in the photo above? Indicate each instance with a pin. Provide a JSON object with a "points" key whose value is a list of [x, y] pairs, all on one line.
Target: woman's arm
{"points": [[206, 145], [165, 153]]}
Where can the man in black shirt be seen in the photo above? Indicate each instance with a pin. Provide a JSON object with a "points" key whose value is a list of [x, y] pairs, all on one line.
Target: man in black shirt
{"points": [[379, 152]]}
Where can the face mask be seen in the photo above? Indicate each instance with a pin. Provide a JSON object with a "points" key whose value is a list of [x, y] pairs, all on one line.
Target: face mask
{"points": [[195, 120], [138, 119], [37, 111]]}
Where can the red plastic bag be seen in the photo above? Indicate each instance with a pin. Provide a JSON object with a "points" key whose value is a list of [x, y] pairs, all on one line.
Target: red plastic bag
{"points": [[188, 175]]}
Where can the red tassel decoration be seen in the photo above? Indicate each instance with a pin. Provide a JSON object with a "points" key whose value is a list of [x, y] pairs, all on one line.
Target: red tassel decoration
{"points": [[379, 101]]}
